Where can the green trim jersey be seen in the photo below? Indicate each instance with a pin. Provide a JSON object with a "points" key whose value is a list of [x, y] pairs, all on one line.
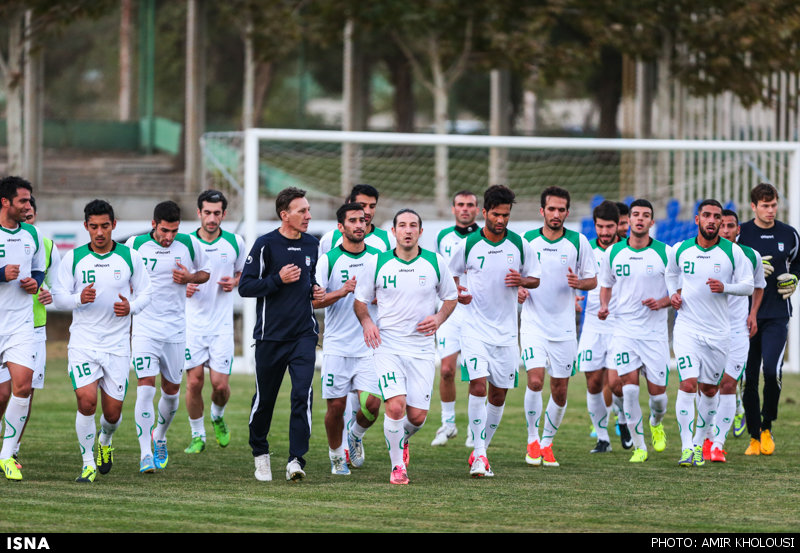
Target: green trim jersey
{"points": [[407, 292], [165, 318], [702, 311], [20, 246], [549, 309], [590, 322], [343, 333], [209, 312], [379, 239], [739, 306], [491, 316], [636, 275], [52, 263], [95, 326], [446, 243]]}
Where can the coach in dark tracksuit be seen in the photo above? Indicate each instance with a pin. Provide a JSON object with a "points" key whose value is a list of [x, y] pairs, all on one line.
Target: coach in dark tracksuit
{"points": [[280, 273], [768, 237]]}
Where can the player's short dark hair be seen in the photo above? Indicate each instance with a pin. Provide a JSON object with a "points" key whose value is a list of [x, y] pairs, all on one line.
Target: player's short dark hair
{"points": [[607, 211], [167, 211], [730, 213], [498, 194], [623, 208], [341, 213], [33, 205], [406, 210], [708, 201], [212, 197], [641, 202], [556, 191], [465, 193], [98, 207], [10, 185], [365, 189], [763, 192], [286, 196]]}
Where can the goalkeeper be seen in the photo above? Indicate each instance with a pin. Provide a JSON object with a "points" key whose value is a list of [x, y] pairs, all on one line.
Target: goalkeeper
{"points": [[778, 245]]}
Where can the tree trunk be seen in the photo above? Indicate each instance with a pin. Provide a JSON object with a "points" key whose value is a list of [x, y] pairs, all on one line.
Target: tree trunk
{"points": [[125, 60], [14, 82], [608, 92], [264, 73], [401, 77]]}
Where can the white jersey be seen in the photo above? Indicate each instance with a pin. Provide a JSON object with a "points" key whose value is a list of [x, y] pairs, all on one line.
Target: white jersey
{"points": [[95, 327], [379, 239], [343, 333], [739, 306], [22, 246], [491, 316], [446, 243], [165, 318], [209, 312], [636, 275], [703, 312], [407, 292], [549, 310], [591, 324]]}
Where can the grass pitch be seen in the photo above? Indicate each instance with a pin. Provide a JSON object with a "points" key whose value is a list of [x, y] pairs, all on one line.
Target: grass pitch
{"points": [[215, 491]]}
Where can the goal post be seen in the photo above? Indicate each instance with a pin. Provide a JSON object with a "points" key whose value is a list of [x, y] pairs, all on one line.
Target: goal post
{"points": [[402, 167]]}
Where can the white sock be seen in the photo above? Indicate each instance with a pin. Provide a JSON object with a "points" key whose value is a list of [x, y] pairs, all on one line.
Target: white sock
{"points": [[85, 429], [684, 412], [349, 416], [711, 424], [633, 412], [533, 412], [167, 407], [449, 413], [16, 413], [198, 427], [107, 430], [338, 452], [217, 411], [552, 420], [618, 403], [395, 439], [476, 412], [144, 418], [725, 414], [357, 430], [599, 414], [706, 412], [494, 414], [658, 408], [410, 429]]}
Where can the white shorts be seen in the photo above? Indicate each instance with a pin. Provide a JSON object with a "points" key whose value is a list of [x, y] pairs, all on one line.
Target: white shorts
{"points": [[215, 352], [152, 357], [39, 362], [498, 364], [737, 354], [448, 337], [558, 357], [652, 356], [409, 376], [87, 366], [700, 357], [341, 375], [16, 348], [594, 352]]}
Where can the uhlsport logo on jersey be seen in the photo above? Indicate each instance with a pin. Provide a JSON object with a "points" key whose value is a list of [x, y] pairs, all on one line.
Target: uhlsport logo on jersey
{"points": [[308, 261], [422, 280], [563, 259], [117, 274], [717, 267]]}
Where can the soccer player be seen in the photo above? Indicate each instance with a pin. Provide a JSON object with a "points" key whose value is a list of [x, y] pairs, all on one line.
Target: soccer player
{"points": [[448, 337], [406, 282], [173, 260], [701, 273], [496, 262], [280, 272], [633, 272], [624, 225], [548, 334], [102, 283], [594, 357], [209, 320], [347, 362], [778, 244], [22, 266]]}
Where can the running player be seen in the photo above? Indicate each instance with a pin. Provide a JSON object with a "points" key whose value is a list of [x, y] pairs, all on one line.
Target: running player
{"points": [[406, 282], [594, 353], [347, 362], [173, 260], [95, 281], [701, 272], [624, 224], [779, 246], [22, 266], [633, 272], [448, 338], [496, 262], [209, 320], [548, 334]]}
